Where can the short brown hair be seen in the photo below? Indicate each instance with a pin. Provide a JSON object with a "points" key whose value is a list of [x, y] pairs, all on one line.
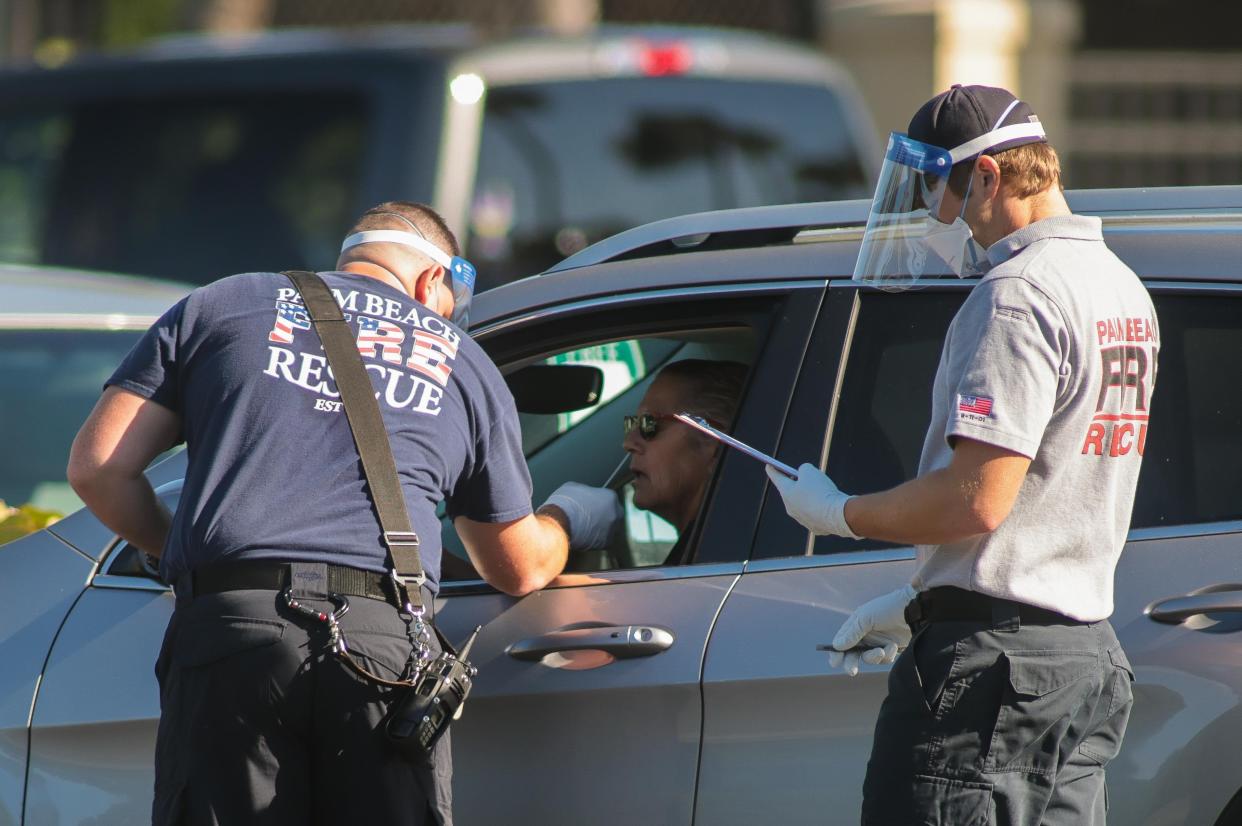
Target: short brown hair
{"points": [[712, 388], [1027, 170], [406, 214]]}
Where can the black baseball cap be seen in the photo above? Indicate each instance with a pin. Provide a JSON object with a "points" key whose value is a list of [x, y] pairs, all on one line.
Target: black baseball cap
{"points": [[963, 114]]}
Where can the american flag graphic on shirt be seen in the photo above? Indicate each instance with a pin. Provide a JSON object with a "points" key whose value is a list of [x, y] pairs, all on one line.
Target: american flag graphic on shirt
{"points": [[375, 332], [289, 317], [978, 405]]}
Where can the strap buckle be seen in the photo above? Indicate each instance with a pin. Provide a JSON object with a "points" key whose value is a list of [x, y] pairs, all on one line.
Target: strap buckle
{"points": [[403, 586], [401, 539]]}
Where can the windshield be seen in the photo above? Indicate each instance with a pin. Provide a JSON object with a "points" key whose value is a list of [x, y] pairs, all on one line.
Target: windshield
{"points": [[564, 164], [186, 186], [49, 382]]}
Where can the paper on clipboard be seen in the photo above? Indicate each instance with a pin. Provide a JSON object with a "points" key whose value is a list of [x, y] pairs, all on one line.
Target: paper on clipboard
{"points": [[702, 426]]}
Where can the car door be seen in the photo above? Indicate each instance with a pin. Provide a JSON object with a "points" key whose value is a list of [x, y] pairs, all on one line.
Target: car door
{"points": [[93, 722], [801, 734], [1179, 582], [785, 738], [588, 706]]}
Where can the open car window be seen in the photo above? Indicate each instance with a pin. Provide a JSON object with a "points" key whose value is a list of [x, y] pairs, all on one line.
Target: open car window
{"points": [[585, 445]]}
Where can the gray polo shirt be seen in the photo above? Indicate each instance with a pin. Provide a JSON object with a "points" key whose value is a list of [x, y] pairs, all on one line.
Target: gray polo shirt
{"points": [[1053, 356]]}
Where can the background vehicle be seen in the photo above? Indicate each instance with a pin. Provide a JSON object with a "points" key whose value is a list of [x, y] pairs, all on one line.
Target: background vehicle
{"points": [[62, 333], [739, 719], [196, 158]]}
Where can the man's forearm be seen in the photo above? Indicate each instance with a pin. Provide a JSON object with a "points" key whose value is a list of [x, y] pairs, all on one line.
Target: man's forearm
{"points": [[128, 506], [516, 557], [930, 510], [972, 496]]}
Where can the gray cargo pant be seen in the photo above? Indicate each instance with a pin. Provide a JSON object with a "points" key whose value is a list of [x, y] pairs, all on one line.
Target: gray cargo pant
{"points": [[259, 725], [1008, 727]]}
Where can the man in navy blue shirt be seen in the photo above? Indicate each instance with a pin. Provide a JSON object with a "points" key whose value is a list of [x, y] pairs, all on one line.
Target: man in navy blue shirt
{"points": [[259, 723]]}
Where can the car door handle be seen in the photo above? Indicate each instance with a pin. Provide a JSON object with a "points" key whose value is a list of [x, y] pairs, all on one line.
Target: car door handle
{"points": [[621, 641], [1179, 609]]}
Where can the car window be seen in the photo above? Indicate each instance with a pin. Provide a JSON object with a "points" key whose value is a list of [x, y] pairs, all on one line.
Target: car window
{"points": [[586, 446], [623, 364], [1192, 459], [151, 186], [886, 395], [1192, 463], [49, 382], [658, 148]]}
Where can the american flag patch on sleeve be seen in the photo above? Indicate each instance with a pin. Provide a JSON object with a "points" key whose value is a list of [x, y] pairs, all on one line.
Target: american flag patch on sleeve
{"points": [[978, 405]]}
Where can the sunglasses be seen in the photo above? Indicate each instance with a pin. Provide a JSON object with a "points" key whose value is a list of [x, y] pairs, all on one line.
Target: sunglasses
{"points": [[648, 424]]}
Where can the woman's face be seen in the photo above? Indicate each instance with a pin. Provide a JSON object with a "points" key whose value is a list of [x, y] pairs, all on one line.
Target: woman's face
{"points": [[670, 469]]}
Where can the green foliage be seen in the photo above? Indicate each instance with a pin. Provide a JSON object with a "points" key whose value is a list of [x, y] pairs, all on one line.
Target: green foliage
{"points": [[15, 522], [129, 22]]}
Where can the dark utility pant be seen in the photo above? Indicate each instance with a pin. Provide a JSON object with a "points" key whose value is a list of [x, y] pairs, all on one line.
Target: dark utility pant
{"points": [[260, 725], [999, 722]]}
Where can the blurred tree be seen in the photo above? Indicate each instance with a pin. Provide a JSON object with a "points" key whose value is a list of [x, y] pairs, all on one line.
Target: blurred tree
{"points": [[227, 16], [129, 22], [16, 522]]}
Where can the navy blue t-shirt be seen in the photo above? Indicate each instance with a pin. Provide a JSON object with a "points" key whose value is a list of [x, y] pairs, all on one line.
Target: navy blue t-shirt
{"points": [[273, 469]]}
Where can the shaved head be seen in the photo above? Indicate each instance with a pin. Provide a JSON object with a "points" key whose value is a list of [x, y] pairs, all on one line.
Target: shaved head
{"points": [[405, 216]]}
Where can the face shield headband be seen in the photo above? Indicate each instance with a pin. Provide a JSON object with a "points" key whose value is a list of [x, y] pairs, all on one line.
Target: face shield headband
{"points": [[909, 191], [459, 271]]}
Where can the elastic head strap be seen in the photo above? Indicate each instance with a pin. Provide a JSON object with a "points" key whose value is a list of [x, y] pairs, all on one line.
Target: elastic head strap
{"points": [[397, 236], [996, 137]]}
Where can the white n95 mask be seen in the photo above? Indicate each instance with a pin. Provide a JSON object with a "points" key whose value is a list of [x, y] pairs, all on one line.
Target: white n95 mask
{"points": [[955, 244]]}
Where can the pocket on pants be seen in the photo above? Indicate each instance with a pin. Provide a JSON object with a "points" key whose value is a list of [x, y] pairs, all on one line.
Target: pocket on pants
{"points": [[1047, 692], [1103, 742], [943, 801], [384, 655], [208, 641]]}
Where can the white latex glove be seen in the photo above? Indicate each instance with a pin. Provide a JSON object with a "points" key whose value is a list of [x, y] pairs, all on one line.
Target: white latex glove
{"points": [[877, 627], [593, 514], [813, 500]]}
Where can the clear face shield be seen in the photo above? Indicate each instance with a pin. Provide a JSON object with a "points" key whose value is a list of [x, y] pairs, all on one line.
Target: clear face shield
{"points": [[905, 243], [895, 254], [459, 272]]}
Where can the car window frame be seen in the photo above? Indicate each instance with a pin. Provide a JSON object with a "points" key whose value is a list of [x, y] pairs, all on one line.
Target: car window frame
{"points": [[817, 403], [1159, 288], [734, 492]]}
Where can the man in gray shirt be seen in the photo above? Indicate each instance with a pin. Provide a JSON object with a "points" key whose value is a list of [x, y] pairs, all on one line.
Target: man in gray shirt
{"points": [[1014, 693]]}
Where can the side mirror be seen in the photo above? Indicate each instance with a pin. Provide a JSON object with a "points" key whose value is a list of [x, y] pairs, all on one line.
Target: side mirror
{"points": [[555, 388]]}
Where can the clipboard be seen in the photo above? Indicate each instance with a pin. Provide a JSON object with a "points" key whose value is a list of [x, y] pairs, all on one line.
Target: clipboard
{"points": [[703, 427]]}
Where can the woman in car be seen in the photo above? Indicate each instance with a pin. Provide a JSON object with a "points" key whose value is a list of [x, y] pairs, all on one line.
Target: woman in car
{"points": [[671, 462]]}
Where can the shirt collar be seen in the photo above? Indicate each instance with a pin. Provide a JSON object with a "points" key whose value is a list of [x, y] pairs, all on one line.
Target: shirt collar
{"points": [[1075, 227]]}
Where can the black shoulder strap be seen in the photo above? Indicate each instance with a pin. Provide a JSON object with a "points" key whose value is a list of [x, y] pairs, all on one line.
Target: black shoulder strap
{"points": [[367, 425]]}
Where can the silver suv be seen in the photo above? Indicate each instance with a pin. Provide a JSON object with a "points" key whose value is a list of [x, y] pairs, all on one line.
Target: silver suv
{"points": [[650, 689]]}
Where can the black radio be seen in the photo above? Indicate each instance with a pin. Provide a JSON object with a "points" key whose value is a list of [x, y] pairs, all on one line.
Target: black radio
{"points": [[418, 719]]}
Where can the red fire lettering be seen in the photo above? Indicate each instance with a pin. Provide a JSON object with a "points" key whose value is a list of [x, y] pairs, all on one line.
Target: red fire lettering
{"points": [[1120, 444], [1095, 439]]}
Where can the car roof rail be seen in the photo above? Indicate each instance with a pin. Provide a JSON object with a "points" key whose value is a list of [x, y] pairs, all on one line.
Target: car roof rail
{"points": [[787, 223], [724, 229]]}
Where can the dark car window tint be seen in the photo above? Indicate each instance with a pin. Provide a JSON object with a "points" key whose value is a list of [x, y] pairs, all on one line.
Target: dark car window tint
{"points": [[886, 397], [49, 381], [565, 164], [1192, 463], [187, 187]]}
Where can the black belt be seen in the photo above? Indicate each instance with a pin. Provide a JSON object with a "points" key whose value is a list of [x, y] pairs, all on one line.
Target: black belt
{"points": [[270, 575], [949, 604]]}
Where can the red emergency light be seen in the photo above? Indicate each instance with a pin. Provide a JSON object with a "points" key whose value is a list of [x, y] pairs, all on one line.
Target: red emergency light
{"points": [[659, 60]]}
